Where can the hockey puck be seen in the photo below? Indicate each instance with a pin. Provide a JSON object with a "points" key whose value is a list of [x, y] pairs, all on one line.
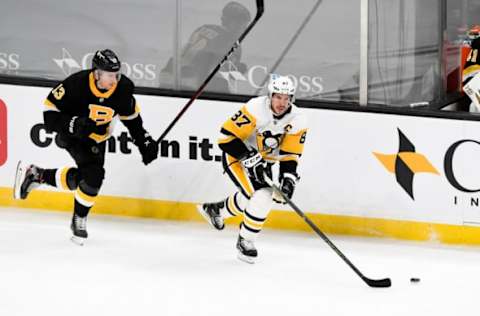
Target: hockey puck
{"points": [[414, 280]]}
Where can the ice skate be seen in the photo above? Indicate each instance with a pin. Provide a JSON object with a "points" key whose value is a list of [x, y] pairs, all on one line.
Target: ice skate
{"points": [[211, 213], [246, 250], [79, 230], [27, 178]]}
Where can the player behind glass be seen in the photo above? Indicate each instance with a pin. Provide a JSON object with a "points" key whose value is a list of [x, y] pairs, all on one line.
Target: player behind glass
{"points": [[267, 130], [82, 110], [472, 64], [205, 48]]}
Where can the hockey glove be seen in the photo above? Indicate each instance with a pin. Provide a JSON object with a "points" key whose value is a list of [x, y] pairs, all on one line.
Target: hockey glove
{"points": [[255, 166], [80, 127], [287, 186], [148, 148]]}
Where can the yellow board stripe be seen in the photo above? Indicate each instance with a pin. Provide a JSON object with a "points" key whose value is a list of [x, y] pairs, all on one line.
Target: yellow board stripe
{"points": [[330, 224]]}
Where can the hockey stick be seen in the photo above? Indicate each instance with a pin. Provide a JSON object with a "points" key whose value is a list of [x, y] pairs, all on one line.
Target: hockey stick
{"points": [[260, 10], [290, 44], [372, 283]]}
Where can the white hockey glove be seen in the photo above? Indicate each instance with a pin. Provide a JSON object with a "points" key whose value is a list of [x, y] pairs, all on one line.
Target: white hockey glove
{"points": [[255, 165]]}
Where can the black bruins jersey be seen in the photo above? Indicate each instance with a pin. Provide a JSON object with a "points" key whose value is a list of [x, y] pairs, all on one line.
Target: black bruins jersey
{"points": [[472, 64], [78, 95]]}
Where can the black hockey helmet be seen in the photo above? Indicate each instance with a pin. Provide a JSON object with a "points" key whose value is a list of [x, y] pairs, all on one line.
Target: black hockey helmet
{"points": [[106, 60]]}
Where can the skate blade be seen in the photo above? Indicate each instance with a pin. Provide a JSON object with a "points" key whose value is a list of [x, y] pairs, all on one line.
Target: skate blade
{"points": [[78, 240], [19, 174], [207, 218], [247, 259]]}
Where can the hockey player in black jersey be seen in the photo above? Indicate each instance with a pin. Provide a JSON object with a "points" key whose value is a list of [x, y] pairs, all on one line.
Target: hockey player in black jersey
{"points": [[82, 110], [472, 64], [205, 48]]}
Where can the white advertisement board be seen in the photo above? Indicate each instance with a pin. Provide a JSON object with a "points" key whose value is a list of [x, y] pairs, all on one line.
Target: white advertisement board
{"points": [[355, 164]]}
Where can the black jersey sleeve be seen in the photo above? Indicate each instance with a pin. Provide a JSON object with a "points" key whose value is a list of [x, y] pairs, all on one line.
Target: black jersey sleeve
{"points": [[62, 94], [55, 114], [127, 108], [135, 128], [129, 112], [234, 147]]}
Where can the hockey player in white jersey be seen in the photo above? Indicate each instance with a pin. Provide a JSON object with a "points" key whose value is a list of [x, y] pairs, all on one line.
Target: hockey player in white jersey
{"points": [[268, 129]]}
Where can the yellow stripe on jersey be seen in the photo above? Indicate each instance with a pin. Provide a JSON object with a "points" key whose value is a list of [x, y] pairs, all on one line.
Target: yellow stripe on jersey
{"points": [[232, 207], [293, 143], [289, 158], [241, 124], [63, 178], [84, 199], [84, 196], [131, 116], [100, 138], [470, 70], [50, 106], [240, 174], [251, 222]]}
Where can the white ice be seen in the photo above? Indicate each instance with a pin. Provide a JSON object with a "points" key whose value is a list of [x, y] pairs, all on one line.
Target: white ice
{"points": [[147, 267]]}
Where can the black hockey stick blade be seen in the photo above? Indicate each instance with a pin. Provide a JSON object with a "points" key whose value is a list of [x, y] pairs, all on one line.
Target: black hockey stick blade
{"points": [[370, 282], [260, 10], [378, 283]]}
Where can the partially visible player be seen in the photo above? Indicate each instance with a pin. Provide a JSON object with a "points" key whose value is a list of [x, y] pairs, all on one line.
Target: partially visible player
{"points": [[472, 64], [82, 110], [205, 48], [268, 129]]}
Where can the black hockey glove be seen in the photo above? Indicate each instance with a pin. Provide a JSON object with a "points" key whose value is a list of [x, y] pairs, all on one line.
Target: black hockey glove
{"points": [[287, 186], [80, 127], [148, 148], [256, 166]]}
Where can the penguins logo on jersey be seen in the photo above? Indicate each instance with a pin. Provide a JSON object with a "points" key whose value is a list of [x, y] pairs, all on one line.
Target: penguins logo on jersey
{"points": [[270, 142]]}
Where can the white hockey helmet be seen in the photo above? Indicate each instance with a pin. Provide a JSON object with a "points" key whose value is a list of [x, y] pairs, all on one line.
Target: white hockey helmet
{"points": [[473, 33], [281, 85]]}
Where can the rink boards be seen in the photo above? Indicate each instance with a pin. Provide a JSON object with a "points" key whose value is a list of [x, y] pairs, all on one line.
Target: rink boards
{"points": [[362, 173]]}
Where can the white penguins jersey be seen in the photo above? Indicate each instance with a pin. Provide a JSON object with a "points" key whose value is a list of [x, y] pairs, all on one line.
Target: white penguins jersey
{"points": [[277, 139]]}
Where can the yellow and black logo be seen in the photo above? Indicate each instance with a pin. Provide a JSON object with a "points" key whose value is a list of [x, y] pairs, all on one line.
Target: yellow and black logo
{"points": [[406, 163]]}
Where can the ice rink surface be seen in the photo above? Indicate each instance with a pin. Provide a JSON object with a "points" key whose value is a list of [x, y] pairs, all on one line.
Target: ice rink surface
{"points": [[147, 267]]}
